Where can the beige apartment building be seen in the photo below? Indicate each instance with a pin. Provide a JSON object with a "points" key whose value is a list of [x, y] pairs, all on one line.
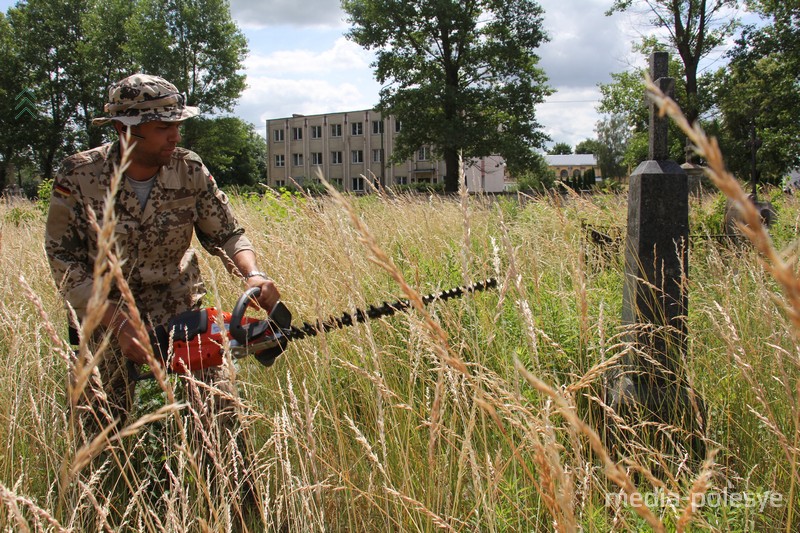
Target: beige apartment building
{"points": [[350, 148]]}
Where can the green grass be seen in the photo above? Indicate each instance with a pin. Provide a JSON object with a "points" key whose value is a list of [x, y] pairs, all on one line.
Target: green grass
{"points": [[386, 426]]}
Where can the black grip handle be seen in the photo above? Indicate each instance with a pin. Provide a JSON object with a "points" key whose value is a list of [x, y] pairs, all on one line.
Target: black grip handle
{"points": [[237, 331]]}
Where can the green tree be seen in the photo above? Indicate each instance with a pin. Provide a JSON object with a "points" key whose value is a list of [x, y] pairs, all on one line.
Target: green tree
{"points": [[13, 85], [67, 52], [613, 135], [462, 76], [588, 178], [537, 178], [104, 60], [587, 146], [625, 97], [560, 148], [694, 28], [231, 149], [49, 36], [758, 95], [193, 43]]}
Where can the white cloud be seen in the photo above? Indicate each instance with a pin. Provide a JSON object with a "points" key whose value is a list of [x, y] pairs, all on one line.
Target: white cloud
{"points": [[282, 82], [570, 115], [303, 13], [585, 48], [344, 55], [268, 98]]}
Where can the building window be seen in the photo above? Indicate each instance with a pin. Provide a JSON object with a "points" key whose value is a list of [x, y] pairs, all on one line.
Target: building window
{"points": [[297, 160], [280, 160], [357, 156], [423, 154], [316, 158], [576, 174], [297, 134], [338, 183], [401, 180], [336, 158], [316, 132], [357, 128], [358, 184], [397, 126], [377, 127], [280, 183], [336, 130], [377, 155], [277, 135]]}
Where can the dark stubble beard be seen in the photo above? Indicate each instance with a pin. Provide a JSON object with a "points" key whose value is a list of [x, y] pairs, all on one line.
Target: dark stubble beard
{"points": [[153, 160]]}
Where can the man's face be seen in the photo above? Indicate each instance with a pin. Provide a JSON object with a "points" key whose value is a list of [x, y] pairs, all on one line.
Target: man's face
{"points": [[155, 142]]}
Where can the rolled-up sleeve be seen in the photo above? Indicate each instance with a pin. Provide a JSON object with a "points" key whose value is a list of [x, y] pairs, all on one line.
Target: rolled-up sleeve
{"points": [[65, 244], [217, 228]]}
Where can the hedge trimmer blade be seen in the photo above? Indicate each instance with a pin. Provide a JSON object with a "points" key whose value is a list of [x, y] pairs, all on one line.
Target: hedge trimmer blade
{"points": [[386, 309]]}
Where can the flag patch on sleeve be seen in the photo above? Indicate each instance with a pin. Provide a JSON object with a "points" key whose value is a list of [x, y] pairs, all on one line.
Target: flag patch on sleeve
{"points": [[61, 191]]}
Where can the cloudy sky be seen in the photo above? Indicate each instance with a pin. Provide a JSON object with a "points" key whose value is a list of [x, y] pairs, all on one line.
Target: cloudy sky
{"points": [[300, 62]]}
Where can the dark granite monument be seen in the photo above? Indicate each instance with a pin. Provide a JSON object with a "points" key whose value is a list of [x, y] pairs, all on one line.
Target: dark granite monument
{"points": [[650, 384]]}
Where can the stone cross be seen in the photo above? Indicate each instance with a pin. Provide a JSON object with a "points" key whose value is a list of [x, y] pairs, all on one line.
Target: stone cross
{"points": [[658, 234], [659, 73]]}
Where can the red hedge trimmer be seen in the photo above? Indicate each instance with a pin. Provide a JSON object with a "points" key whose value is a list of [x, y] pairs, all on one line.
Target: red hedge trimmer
{"points": [[198, 339]]}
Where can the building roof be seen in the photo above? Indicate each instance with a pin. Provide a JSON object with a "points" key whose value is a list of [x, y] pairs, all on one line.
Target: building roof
{"points": [[571, 160], [329, 113]]}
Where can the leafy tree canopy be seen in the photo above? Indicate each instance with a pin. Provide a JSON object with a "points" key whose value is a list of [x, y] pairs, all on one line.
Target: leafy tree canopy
{"points": [[587, 146], [625, 99], [613, 136], [462, 76], [193, 43], [231, 149], [560, 148], [758, 94], [67, 52], [694, 29]]}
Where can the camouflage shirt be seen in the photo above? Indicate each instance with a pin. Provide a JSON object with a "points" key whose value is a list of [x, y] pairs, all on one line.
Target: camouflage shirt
{"points": [[154, 243]]}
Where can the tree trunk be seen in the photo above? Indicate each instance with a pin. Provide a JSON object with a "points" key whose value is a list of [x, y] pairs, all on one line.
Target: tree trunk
{"points": [[691, 109], [453, 177]]}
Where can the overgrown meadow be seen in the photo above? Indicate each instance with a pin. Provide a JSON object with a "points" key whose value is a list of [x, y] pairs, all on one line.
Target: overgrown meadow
{"points": [[464, 415]]}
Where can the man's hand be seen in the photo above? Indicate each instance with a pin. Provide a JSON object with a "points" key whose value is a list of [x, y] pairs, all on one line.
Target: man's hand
{"points": [[269, 291], [129, 344], [245, 261]]}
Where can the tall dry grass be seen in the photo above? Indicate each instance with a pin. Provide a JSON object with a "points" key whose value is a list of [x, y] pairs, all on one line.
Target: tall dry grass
{"points": [[461, 416]]}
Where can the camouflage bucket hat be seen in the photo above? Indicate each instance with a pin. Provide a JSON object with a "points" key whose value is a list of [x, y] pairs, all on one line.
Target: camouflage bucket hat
{"points": [[143, 98]]}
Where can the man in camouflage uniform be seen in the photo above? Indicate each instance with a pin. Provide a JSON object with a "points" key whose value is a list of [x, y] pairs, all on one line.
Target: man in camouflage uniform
{"points": [[166, 196]]}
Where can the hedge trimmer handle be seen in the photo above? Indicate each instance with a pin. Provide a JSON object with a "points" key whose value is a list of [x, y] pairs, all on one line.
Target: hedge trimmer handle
{"points": [[237, 331], [280, 318]]}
